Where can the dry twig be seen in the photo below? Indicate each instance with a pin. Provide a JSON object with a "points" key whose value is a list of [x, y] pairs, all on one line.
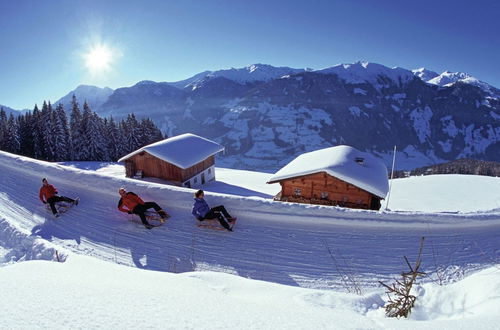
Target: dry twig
{"points": [[402, 301]]}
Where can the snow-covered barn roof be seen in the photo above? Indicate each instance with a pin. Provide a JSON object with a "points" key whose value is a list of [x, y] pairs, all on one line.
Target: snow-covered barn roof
{"points": [[346, 163], [183, 150]]}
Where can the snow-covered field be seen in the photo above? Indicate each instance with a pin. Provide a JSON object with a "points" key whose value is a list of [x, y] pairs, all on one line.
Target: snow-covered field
{"points": [[273, 244]]}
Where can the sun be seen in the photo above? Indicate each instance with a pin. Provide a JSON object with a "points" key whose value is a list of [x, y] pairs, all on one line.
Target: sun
{"points": [[98, 59]]}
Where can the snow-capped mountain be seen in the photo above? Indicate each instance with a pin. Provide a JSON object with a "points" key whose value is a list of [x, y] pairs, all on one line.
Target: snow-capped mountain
{"points": [[265, 116], [448, 78], [250, 74], [373, 73], [9, 110], [425, 74], [94, 96], [267, 121]]}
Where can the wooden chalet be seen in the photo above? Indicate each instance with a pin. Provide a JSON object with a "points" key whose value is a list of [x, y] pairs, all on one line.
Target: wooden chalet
{"points": [[340, 175], [185, 160]]}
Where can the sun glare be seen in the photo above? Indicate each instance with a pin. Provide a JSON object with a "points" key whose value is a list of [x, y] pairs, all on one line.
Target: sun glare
{"points": [[98, 59]]}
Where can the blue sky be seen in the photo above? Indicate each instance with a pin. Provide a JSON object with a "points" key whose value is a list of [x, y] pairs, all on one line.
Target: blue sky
{"points": [[42, 43]]}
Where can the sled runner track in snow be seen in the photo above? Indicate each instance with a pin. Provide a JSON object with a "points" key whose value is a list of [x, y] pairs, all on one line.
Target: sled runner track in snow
{"points": [[274, 241]]}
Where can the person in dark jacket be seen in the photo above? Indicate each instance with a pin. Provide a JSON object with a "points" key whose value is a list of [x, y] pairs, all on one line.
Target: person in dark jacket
{"points": [[132, 204], [202, 211], [48, 194]]}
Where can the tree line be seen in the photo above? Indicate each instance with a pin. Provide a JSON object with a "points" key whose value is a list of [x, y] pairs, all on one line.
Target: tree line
{"points": [[47, 134], [460, 166]]}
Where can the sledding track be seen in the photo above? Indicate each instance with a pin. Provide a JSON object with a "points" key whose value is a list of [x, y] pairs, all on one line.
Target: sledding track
{"points": [[284, 243]]}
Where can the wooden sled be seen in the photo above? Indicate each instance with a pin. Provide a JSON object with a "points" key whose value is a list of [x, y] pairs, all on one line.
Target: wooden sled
{"points": [[61, 207], [153, 218], [213, 224]]}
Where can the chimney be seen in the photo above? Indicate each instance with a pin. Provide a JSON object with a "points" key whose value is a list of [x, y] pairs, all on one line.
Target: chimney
{"points": [[360, 160]]}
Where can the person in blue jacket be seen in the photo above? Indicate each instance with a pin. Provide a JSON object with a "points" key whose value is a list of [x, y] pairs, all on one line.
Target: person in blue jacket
{"points": [[202, 211]]}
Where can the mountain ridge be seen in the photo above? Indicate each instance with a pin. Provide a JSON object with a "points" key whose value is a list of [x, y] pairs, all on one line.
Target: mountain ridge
{"points": [[270, 118]]}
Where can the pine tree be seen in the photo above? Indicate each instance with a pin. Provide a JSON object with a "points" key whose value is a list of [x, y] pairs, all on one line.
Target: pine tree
{"points": [[48, 128], [37, 134], [95, 138], [3, 128], [113, 140], [12, 137], [131, 134], [25, 124], [61, 134], [148, 132], [75, 130]]}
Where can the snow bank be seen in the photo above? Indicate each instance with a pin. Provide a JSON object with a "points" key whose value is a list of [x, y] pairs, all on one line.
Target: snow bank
{"points": [[445, 193], [18, 245], [88, 293], [278, 242]]}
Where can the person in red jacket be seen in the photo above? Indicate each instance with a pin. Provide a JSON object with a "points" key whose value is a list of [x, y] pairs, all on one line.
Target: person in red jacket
{"points": [[48, 194], [132, 204]]}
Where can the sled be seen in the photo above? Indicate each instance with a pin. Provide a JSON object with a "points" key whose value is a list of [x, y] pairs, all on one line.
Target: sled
{"points": [[62, 207], [214, 224], [152, 217]]}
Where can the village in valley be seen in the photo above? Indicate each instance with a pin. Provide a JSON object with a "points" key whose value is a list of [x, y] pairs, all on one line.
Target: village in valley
{"points": [[152, 177]]}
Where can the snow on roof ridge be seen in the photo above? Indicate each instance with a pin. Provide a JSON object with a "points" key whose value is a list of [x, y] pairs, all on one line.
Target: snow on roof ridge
{"points": [[183, 150], [340, 162]]}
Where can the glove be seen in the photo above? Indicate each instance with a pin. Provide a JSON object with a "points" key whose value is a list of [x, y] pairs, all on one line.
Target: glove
{"points": [[199, 218], [44, 202]]}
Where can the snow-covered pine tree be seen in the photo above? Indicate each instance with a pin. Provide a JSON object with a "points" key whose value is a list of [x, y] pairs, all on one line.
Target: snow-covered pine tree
{"points": [[131, 132], [61, 134], [25, 124], [85, 133], [149, 133], [46, 124], [95, 138], [75, 130], [113, 139], [11, 143], [37, 133], [3, 128]]}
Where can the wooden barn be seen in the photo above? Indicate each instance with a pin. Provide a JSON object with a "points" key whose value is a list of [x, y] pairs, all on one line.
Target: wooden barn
{"points": [[185, 160], [340, 175]]}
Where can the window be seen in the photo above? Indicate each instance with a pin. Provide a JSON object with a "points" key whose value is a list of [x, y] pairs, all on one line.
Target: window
{"points": [[324, 195], [187, 184], [209, 171], [195, 180], [298, 191]]}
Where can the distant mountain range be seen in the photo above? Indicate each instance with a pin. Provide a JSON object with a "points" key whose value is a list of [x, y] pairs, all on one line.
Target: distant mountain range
{"points": [[266, 116]]}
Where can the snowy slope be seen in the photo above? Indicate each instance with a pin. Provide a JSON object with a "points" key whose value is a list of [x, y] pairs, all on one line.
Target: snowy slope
{"points": [[278, 242], [445, 193], [275, 242], [115, 297]]}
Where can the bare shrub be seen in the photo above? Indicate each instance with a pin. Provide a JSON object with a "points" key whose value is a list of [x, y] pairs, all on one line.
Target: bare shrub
{"points": [[402, 301], [347, 273]]}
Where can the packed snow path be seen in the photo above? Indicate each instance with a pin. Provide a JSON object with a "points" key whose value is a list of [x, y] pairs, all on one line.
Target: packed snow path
{"points": [[273, 241]]}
